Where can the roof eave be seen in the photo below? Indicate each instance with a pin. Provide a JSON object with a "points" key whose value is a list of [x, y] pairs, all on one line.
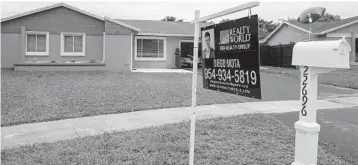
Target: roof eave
{"points": [[48, 8], [166, 35], [338, 27], [122, 24], [297, 27]]}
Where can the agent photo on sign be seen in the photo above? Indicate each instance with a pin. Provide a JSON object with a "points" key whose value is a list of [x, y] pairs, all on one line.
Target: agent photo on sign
{"points": [[208, 44]]}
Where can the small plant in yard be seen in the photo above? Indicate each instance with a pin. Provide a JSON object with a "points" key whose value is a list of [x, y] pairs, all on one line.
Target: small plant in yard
{"points": [[178, 58], [92, 61], [53, 61], [73, 61]]}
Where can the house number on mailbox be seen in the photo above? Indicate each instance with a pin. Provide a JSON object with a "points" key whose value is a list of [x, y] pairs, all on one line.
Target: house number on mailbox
{"points": [[304, 92]]}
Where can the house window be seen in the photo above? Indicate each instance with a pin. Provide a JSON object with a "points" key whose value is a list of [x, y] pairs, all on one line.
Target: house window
{"points": [[37, 43], [73, 44], [150, 48]]}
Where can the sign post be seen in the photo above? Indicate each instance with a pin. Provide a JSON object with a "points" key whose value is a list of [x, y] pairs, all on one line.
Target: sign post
{"points": [[195, 62], [194, 84]]}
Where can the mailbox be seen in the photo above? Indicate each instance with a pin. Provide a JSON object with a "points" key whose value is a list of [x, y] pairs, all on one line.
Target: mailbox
{"points": [[326, 54]]}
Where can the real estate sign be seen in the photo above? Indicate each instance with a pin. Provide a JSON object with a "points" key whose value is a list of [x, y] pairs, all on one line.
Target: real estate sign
{"points": [[230, 53]]}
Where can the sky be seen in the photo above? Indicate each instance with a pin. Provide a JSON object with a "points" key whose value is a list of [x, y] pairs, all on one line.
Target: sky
{"points": [[184, 9]]}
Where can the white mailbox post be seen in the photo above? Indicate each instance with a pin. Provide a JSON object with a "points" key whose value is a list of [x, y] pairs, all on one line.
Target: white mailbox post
{"points": [[313, 58]]}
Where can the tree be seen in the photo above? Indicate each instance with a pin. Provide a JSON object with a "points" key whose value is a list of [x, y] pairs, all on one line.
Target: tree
{"points": [[224, 20], [266, 27], [209, 22], [171, 18], [328, 17], [290, 19]]}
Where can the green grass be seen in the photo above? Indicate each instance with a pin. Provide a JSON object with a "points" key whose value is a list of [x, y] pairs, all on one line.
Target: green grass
{"points": [[29, 97], [245, 139], [342, 77]]}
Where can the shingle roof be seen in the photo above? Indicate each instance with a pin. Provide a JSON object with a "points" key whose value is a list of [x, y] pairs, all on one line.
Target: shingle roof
{"points": [[162, 27], [319, 27]]}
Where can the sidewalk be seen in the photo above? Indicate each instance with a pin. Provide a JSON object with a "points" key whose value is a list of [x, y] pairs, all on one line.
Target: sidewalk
{"points": [[79, 127]]}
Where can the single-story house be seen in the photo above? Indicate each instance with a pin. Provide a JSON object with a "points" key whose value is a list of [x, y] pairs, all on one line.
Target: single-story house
{"points": [[292, 31], [63, 37]]}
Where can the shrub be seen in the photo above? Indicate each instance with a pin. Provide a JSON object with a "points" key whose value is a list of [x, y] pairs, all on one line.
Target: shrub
{"points": [[178, 58]]}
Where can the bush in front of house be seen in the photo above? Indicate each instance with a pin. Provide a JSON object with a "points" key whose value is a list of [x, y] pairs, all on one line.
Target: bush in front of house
{"points": [[178, 59]]}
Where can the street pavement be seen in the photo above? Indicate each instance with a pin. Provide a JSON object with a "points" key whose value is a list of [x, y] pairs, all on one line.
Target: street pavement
{"points": [[276, 87], [339, 127]]}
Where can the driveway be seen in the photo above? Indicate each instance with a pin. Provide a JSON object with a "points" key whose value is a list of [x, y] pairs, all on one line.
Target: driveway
{"points": [[339, 127]]}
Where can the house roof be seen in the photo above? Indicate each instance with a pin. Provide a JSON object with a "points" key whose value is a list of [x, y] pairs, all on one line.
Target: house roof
{"points": [[317, 28], [69, 7], [163, 28], [324, 27]]}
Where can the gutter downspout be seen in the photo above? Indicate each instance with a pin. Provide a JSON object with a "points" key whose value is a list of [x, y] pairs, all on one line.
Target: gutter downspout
{"points": [[104, 48]]}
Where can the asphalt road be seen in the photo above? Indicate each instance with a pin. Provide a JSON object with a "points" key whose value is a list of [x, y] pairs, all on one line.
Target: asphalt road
{"points": [[275, 87], [339, 127]]}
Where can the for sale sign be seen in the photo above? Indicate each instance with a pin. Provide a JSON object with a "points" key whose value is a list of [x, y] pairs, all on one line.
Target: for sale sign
{"points": [[230, 53]]}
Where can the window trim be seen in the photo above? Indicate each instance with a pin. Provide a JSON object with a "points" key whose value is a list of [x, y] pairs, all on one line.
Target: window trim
{"points": [[63, 53], [164, 58], [46, 53]]}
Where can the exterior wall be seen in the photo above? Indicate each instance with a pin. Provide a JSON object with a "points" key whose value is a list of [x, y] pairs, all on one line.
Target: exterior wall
{"points": [[117, 47], [10, 49], [289, 34], [115, 29], [94, 50], [172, 44], [55, 21], [118, 52]]}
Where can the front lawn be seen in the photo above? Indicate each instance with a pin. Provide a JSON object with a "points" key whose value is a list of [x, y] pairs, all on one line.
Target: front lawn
{"points": [[245, 139], [342, 77], [29, 97]]}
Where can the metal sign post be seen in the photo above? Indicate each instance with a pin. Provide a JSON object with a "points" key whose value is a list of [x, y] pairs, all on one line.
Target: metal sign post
{"points": [[195, 62]]}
